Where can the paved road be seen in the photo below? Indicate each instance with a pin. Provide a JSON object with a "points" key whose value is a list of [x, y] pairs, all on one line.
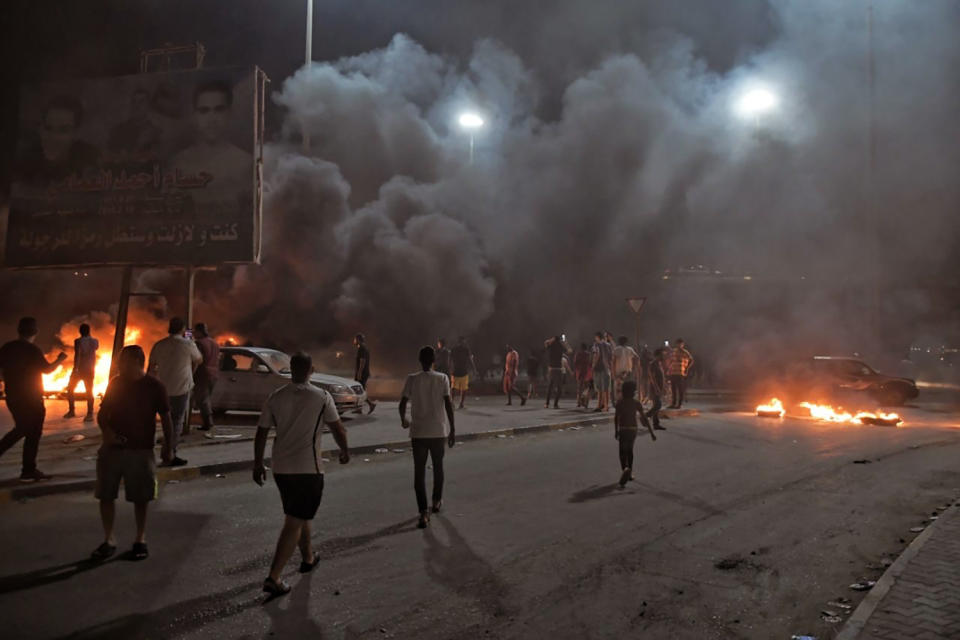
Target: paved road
{"points": [[735, 528]]}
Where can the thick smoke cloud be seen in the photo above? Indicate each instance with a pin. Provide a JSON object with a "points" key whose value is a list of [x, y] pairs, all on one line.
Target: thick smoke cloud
{"points": [[605, 162]]}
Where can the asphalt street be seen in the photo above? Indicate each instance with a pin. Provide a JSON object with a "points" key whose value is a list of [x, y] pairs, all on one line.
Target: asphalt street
{"points": [[735, 527]]}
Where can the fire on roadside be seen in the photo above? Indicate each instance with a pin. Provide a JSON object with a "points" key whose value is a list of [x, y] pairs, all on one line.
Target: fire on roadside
{"points": [[827, 413], [772, 409], [142, 329], [229, 339]]}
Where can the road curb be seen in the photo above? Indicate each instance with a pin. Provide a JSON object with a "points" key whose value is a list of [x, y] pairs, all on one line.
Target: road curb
{"points": [[166, 474], [861, 615]]}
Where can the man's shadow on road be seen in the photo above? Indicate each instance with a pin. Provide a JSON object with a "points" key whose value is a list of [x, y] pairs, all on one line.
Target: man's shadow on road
{"points": [[458, 568], [49, 575], [596, 493]]}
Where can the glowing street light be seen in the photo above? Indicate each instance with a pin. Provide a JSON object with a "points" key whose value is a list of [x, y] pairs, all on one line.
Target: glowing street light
{"points": [[756, 102], [471, 122]]}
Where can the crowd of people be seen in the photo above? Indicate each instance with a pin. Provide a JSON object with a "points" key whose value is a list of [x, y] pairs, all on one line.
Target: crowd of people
{"points": [[182, 365]]}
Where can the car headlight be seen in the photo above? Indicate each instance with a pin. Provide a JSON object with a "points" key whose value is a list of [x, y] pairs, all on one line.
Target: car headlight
{"points": [[338, 389]]}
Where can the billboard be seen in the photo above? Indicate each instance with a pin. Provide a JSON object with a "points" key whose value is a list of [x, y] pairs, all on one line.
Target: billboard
{"points": [[148, 169]]}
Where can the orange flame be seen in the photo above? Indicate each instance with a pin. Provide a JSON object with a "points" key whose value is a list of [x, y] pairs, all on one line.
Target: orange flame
{"points": [[774, 407], [829, 414], [229, 339]]}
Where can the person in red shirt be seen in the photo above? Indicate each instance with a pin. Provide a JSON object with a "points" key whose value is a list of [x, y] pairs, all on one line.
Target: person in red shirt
{"points": [[511, 370]]}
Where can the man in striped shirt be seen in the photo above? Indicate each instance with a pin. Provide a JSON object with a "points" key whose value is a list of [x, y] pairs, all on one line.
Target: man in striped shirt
{"points": [[678, 367]]}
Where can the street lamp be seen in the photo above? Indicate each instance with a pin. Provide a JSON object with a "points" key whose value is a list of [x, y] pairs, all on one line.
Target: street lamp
{"points": [[756, 102], [471, 122]]}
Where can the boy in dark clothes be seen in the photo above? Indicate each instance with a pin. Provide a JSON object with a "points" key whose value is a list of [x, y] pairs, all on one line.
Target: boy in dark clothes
{"points": [[625, 427]]}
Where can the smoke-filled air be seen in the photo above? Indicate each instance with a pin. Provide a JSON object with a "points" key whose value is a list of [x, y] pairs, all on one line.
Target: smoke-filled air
{"points": [[738, 197]]}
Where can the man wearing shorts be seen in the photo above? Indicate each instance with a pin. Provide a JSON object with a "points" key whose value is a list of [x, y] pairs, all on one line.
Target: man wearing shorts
{"points": [[127, 418], [297, 411], [463, 363], [602, 363]]}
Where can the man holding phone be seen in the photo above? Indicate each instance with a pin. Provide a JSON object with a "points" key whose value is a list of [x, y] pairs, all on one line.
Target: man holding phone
{"points": [[297, 411]]}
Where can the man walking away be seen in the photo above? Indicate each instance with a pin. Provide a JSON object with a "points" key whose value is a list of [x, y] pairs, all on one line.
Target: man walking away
{"points": [[511, 370], [533, 372], [128, 421], [625, 428], [463, 363], [624, 363], [431, 427], [602, 357], [362, 369], [555, 349], [84, 365], [643, 371], [680, 363], [657, 382], [23, 366], [205, 377], [444, 362], [296, 411], [173, 361], [583, 370]]}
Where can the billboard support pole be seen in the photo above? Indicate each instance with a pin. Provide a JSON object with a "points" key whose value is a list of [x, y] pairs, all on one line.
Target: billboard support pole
{"points": [[191, 274], [120, 325]]}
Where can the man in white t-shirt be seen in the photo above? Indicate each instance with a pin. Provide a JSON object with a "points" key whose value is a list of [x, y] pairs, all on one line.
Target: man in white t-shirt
{"points": [[296, 411], [624, 365], [173, 361], [431, 427]]}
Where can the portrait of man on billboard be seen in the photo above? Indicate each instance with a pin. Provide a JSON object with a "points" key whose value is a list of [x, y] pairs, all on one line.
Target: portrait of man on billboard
{"points": [[213, 152], [136, 139], [55, 151]]}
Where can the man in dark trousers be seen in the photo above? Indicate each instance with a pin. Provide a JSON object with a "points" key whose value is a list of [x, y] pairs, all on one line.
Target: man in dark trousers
{"points": [[657, 379], [205, 376], [128, 420], [444, 363], [362, 369], [463, 363], [431, 428], [23, 366], [84, 367], [555, 349], [679, 367]]}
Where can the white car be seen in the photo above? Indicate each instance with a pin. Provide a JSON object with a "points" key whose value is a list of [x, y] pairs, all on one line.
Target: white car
{"points": [[249, 374]]}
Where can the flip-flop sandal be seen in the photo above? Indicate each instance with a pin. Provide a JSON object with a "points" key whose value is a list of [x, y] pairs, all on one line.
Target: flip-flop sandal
{"points": [[104, 551], [275, 588], [307, 567], [139, 551]]}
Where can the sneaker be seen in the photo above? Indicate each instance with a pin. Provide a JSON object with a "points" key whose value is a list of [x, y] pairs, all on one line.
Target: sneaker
{"points": [[88, 417], [70, 414], [423, 521], [139, 551], [34, 476], [437, 506], [624, 477], [523, 401]]}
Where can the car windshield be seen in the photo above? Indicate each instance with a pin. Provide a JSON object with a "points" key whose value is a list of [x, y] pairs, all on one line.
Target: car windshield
{"points": [[278, 361]]}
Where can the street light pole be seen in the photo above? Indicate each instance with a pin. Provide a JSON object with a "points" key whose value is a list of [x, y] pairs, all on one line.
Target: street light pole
{"points": [[305, 134]]}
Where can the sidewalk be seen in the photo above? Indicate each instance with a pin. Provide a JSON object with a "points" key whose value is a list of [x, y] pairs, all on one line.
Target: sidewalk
{"points": [[72, 462], [919, 595]]}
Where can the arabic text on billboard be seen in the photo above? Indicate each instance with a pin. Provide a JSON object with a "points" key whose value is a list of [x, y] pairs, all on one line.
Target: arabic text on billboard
{"points": [[146, 169]]}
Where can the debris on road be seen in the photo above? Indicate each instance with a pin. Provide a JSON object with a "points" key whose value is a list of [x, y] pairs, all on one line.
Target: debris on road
{"points": [[77, 437], [221, 475], [886, 562], [173, 482], [399, 450], [223, 436], [795, 637], [500, 435], [916, 529], [366, 459], [863, 585], [862, 462], [729, 563], [830, 617], [841, 603], [381, 450]]}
